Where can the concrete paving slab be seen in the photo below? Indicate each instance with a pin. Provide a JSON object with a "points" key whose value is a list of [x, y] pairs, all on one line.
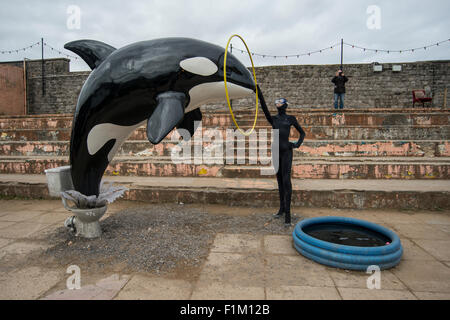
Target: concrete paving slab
{"points": [[22, 230], [48, 205], [417, 275], [52, 218], [113, 282], [236, 243], [389, 218], [302, 293], [434, 218], [411, 251], [104, 289], [354, 279], [317, 212], [369, 215], [419, 231], [375, 294], [440, 249], [275, 244], [251, 263], [224, 291], [21, 248], [34, 205], [28, 283], [234, 268], [17, 216], [4, 242], [432, 295], [151, 288], [445, 228], [89, 292], [17, 205], [6, 224], [295, 271]]}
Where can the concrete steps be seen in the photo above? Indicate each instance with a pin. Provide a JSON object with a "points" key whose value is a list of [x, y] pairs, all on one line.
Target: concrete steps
{"points": [[344, 194], [393, 132], [310, 148], [305, 116], [308, 168], [357, 158]]}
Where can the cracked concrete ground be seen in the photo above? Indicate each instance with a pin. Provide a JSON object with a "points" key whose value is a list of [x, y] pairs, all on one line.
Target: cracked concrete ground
{"points": [[206, 252]]}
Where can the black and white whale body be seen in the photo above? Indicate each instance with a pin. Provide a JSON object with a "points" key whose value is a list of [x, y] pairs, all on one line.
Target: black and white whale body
{"points": [[161, 82]]}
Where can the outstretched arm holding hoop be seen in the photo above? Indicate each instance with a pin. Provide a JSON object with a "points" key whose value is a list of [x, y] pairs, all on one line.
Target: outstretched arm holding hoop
{"points": [[264, 106]]}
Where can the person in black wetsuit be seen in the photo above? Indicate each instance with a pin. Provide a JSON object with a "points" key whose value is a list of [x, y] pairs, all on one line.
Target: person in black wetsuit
{"points": [[283, 123]]}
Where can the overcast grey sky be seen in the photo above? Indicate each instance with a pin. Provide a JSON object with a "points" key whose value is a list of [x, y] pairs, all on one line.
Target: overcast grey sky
{"points": [[272, 27]]}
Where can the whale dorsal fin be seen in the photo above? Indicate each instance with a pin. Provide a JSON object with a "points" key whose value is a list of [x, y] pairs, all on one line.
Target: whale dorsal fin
{"points": [[91, 51]]}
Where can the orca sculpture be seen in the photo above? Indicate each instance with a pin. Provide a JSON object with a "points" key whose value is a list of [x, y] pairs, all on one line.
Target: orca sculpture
{"points": [[162, 82]]}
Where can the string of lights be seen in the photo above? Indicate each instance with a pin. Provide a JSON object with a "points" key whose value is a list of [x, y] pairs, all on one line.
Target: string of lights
{"points": [[21, 49], [364, 49], [397, 51], [34, 45], [62, 53], [298, 55]]}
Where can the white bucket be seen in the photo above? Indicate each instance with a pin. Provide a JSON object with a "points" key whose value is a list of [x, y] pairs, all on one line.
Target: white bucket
{"points": [[58, 179]]}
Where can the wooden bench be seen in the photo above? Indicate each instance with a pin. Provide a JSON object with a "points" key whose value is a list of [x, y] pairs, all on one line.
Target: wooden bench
{"points": [[419, 96]]}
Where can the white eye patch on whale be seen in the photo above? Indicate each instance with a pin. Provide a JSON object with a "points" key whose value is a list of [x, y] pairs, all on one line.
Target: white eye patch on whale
{"points": [[199, 65]]}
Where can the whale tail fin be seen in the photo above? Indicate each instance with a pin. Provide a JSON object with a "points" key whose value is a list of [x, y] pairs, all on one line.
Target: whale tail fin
{"points": [[91, 51]]}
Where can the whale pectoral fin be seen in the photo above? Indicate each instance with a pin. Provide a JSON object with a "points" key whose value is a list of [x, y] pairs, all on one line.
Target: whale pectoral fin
{"points": [[168, 113], [191, 121], [91, 51]]}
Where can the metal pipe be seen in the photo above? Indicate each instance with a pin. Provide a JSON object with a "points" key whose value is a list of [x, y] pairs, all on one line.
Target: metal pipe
{"points": [[25, 107], [43, 67]]}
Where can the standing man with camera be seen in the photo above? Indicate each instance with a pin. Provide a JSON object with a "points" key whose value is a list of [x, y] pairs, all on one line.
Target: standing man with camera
{"points": [[339, 81]]}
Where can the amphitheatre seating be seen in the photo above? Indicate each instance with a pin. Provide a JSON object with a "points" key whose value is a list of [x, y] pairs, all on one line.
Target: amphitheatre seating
{"points": [[358, 158]]}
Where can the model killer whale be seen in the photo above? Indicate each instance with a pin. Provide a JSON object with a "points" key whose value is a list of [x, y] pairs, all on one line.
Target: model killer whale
{"points": [[162, 82]]}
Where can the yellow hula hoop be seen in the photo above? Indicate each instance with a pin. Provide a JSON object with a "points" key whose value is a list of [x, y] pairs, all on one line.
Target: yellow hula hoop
{"points": [[226, 88]]}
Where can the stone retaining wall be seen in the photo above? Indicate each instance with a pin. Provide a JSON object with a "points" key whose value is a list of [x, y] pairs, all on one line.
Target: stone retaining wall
{"points": [[302, 85]]}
